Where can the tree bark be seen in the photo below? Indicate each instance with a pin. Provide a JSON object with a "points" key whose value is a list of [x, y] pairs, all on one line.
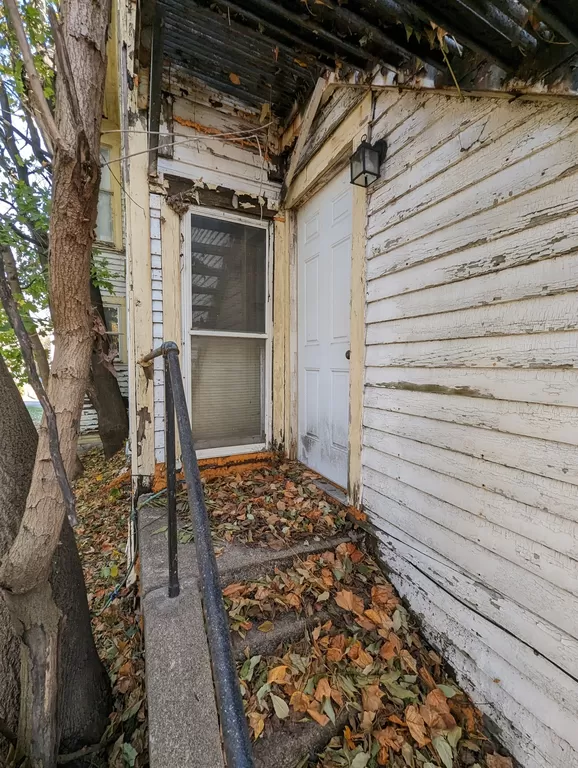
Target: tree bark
{"points": [[103, 390], [26, 569], [84, 698]]}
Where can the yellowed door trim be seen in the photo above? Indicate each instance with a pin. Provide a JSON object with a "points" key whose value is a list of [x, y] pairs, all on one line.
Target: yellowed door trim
{"points": [[331, 158]]}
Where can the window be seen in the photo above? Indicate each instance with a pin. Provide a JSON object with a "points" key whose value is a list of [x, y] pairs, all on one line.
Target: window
{"points": [[228, 327], [104, 218], [115, 325]]}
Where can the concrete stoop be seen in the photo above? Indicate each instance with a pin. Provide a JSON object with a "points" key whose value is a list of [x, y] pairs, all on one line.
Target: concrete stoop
{"points": [[183, 721]]}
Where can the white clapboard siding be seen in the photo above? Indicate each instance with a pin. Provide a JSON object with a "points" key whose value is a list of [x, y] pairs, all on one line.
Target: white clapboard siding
{"points": [[115, 262], [88, 418], [470, 457], [550, 422], [539, 493], [555, 532], [462, 289]]}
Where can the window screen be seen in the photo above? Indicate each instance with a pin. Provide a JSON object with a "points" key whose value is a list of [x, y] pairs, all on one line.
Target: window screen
{"points": [[228, 276], [228, 327]]}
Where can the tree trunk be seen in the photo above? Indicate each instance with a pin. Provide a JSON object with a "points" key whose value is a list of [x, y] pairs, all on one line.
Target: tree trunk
{"points": [[84, 698], [26, 569], [103, 390]]}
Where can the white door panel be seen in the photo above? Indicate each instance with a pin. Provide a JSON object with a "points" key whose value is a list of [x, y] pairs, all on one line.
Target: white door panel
{"points": [[324, 266]]}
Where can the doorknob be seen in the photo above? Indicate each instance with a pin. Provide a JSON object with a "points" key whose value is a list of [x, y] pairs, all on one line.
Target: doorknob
{"points": [[348, 354]]}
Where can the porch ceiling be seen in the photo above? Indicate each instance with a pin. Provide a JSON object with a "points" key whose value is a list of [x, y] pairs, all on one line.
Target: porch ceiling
{"points": [[273, 50]]}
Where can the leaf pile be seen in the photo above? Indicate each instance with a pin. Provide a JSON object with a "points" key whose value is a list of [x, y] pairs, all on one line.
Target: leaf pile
{"points": [[103, 497], [270, 507], [363, 667]]}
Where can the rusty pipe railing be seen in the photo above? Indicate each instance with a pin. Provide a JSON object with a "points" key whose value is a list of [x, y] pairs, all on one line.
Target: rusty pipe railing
{"points": [[236, 743]]}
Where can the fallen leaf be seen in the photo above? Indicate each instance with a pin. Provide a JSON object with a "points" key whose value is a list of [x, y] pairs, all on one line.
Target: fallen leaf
{"points": [[408, 661], [235, 79], [360, 760], [266, 626], [323, 689], [277, 674], [280, 706], [416, 725], [371, 698], [498, 761], [444, 751], [257, 723], [389, 737], [349, 602], [299, 701], [317, 715]]}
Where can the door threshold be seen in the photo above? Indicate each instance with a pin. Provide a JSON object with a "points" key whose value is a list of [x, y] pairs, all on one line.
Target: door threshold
{"points": [[335, 491]]}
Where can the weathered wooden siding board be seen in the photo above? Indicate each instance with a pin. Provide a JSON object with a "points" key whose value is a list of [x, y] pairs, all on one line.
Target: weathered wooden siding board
{"points": [[541, 350], [532, 524], [479, 524], [470, 458], [548, 422], [535, 491], [553, 387], [538, 456], [554, 201], [545, 277], [556, 646], [541, 315], [547, 601]]}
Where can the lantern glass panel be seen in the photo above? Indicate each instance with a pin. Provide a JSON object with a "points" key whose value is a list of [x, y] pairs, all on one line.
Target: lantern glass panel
{"points": [[356, 165]]}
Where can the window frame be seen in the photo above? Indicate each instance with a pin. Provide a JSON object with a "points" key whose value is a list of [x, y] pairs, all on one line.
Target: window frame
{"points": [[188, 332], [119, 303]]}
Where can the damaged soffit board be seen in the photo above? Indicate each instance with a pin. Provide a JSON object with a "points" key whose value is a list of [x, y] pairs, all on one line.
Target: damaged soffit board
{"points": [[272, 51]]}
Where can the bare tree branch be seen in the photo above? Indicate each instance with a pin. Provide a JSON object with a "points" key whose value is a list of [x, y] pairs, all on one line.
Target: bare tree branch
{"points": [[46, 119], [17, 324], [40, 355], [64, 61]]}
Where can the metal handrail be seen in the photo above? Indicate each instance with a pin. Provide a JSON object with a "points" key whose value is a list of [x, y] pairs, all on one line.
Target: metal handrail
{"points": [[236, 742]]}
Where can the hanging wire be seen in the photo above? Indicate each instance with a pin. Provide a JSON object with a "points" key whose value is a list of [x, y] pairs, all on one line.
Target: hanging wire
{"points": [[250, 133]]}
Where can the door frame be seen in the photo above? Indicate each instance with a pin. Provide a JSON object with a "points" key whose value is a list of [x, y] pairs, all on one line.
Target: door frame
{"points": [[186, 277], [331, 158]]}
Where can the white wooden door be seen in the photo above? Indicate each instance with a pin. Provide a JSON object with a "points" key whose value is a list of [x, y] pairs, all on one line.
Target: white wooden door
{"points": [[324, 266]]}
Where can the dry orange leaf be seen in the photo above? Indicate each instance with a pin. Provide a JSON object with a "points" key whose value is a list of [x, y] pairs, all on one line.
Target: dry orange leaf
{"points": [[257, 723], [323, 690], [416, 725], [234, 590], [392, 648], [314, 713], [427, 678], [348, 739], [371, 698], [349, 602], [235, 79], [367, 719], [334, 654], [498, 761], [365, 623], [389, 737], [300, 701], [277, 674], [408, 661]]}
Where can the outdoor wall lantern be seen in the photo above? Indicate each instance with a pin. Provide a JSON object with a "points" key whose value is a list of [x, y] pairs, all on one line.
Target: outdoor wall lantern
{"points": [[365, 161]]}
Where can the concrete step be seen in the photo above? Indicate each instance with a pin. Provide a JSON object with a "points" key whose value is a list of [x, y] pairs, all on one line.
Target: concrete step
{"points": [[184, 728]]}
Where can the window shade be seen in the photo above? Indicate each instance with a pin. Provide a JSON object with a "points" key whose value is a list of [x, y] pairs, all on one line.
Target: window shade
{"points": [[227, 376]]}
